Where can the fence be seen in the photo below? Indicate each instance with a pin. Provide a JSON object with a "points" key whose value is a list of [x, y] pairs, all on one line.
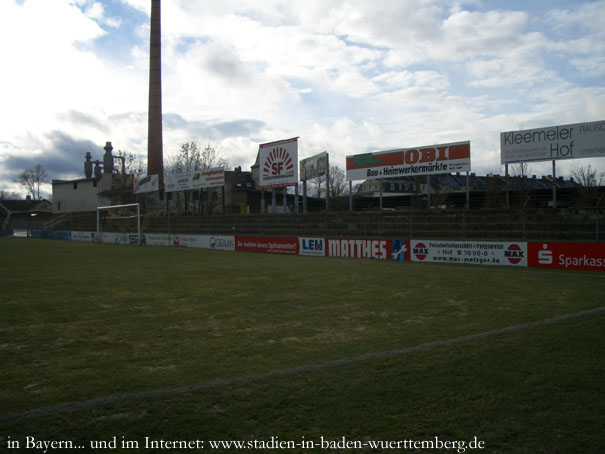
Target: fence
{"points": [[502, 225]]}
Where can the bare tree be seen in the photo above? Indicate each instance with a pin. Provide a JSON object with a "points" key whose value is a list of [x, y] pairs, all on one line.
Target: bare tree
{"points": [[6, 195], [32, 179], [520, 171], [590, 181], [587, 176]]}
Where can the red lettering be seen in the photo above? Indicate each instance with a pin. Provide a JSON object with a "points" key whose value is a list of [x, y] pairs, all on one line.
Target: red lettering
{"points": [[442, 154], [411, 156], [428, 155]]}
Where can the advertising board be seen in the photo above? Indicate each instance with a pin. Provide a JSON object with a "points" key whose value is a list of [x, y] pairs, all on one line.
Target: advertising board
{"points": [[150, 183], [218, 242], [313, 167], [579, 140], [469, 252], [83, 236], [364, 248], [198, 179], [278, 164], [312, 246], [572, 256], [272, 245], [428, 160]]}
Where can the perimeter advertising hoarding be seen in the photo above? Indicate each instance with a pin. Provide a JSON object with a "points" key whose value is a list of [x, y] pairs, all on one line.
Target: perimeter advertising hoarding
{"points": [[573, 256], [312, 246], [83, 236], [428, 160], [198, 179], [278, 164], [364, 248], [469, 252], [579, 140], [314, 167], [272, 245]]}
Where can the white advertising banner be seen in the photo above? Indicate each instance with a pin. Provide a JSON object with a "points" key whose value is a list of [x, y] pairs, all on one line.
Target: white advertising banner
{"points": [[150, 183], [469, 252], [218, 242], [428, 160], [199, 179], [579, 140], [278, 164], [83, 236]]}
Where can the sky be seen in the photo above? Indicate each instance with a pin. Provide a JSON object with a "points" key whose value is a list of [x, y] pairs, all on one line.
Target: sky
{"points": [[346, 76]]}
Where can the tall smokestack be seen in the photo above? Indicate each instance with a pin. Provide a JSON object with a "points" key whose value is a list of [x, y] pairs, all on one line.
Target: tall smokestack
{"points": [[155, 154]]}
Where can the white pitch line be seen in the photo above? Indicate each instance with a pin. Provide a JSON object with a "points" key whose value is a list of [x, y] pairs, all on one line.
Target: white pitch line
{"points": [[243, 379]]}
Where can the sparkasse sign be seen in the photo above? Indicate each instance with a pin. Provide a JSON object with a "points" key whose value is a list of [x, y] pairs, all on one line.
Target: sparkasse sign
{"points": [[426, 160], [579, 140], [278, 164]]}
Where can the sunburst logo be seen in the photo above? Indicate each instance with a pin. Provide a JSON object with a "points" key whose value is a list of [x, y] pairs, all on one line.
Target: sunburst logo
{"points": [[278, 163]]}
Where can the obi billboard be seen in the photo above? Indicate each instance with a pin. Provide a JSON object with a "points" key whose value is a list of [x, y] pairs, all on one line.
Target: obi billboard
{"points": [[573, 256], [428, 160], [580, 140], [278, 164], [469, 252]]}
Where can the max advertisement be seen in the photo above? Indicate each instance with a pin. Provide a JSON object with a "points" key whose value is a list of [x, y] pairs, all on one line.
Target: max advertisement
{"points": [[469, 252], [427, 160]]}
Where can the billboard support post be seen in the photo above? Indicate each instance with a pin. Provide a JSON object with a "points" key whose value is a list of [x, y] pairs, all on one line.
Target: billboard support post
{"points": [[296, 199], [327, 188], [273, 201], [285, 199], [380, 183], [554, 185], [507, 186], [350, 195], [305, 196], [262, 202], [428, 191], [468, 193]]}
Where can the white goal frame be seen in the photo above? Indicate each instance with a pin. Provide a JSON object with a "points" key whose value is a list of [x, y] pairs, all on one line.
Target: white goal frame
{"points": [[111, 207]]}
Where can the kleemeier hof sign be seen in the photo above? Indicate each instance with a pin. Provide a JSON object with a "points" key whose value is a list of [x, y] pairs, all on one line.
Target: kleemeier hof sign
{"points": [[579, 140]]}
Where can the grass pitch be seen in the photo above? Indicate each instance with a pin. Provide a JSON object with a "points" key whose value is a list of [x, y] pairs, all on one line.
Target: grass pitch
{"points": [[103, 341]]}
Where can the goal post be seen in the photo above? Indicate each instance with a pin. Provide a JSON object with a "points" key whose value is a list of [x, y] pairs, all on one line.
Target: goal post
{"points": [[128, 216]]}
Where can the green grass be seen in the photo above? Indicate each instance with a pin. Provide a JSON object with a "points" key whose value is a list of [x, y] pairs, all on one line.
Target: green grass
{"points": [[81, 321]]}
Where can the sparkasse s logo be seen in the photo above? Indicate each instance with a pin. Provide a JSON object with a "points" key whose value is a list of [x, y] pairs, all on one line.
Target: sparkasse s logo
{"points": [[278, 163], [545, 255]]}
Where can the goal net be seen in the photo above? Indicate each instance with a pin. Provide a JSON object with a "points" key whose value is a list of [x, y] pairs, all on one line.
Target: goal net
{"points": [[119, 224]]}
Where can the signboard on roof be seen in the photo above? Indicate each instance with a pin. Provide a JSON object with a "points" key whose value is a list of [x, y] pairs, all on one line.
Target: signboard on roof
{"points": [[579, 140], [278, 164], [426, 160]]}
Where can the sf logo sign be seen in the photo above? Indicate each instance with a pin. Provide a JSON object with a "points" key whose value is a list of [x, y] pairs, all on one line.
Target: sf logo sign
{"points": [[278, 162]]}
